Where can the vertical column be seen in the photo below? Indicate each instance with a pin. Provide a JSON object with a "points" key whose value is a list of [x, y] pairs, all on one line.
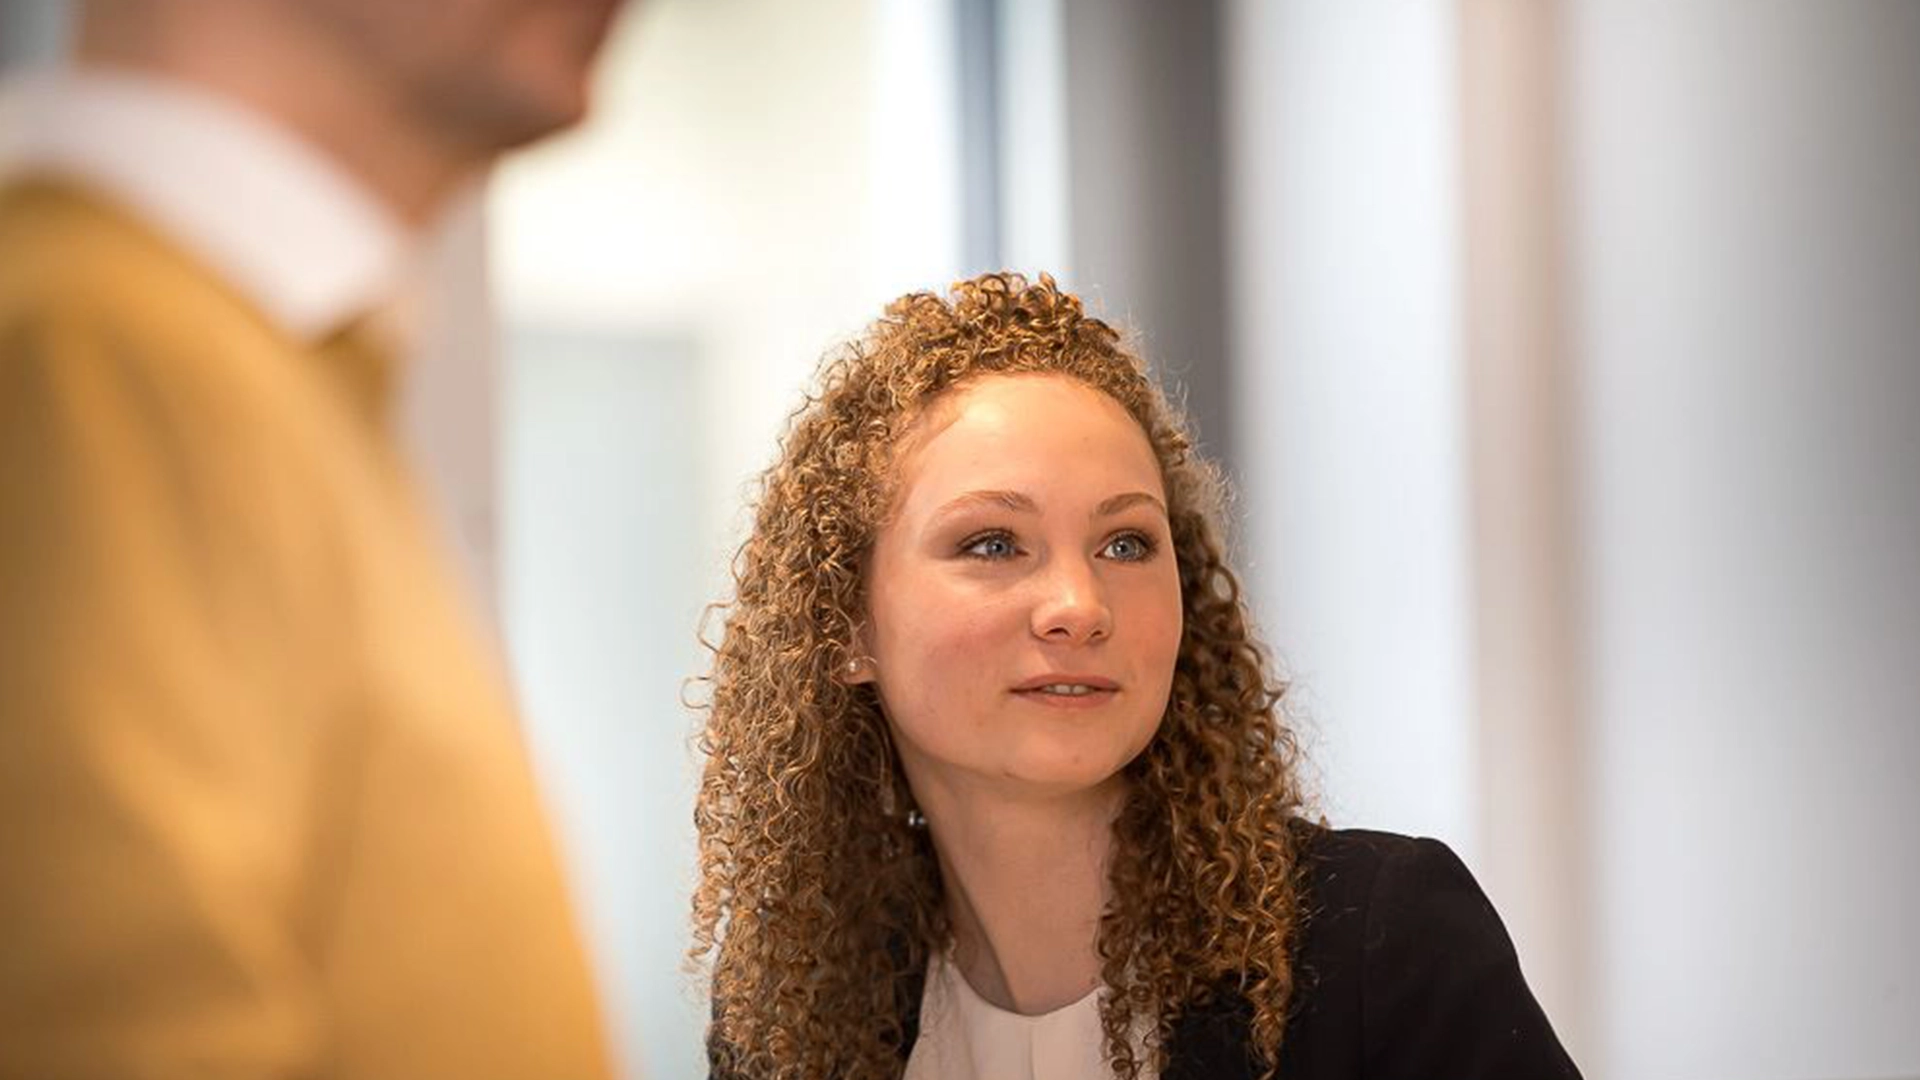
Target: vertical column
{"points": [[1031, 107], [33, 32], [1526, 663], [1144, 152]]}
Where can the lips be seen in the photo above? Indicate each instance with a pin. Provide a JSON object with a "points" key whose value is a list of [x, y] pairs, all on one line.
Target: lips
{"points": [[1067, 689]]}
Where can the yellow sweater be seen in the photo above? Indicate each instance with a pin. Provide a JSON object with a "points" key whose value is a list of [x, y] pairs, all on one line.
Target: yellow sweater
{"points": [[264, 810]]}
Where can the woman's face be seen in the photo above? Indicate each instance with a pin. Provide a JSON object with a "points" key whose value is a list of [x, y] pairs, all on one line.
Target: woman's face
{"points": [[1024, 601]]}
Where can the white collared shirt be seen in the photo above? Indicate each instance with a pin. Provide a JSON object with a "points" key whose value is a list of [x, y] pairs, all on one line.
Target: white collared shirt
{"points": [[275, 217], [965, 1037]]}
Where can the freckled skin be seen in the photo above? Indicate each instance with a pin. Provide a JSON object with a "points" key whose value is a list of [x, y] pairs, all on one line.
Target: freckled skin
{"points": [[1049, 587]]}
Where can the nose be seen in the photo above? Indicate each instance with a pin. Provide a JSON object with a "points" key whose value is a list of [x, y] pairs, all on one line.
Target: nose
{"points": [[1072, 606]]}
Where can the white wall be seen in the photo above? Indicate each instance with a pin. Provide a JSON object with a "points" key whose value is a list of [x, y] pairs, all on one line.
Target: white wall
{"points": [[602, 589], [1345, 273], [1745, 183], [759, 177]]}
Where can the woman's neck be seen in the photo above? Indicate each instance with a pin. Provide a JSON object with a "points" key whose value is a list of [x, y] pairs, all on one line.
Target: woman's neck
{"points": [[1026, 882]]}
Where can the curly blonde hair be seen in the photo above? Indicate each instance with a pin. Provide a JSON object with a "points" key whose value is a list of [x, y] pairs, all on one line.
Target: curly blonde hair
{"points": [[819, 904]]}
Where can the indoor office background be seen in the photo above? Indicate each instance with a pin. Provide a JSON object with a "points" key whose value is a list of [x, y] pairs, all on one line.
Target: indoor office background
{"points": [[1567, 357]]}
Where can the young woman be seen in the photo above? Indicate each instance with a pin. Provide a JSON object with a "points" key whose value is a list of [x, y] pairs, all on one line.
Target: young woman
{"points": [[997, 783]]}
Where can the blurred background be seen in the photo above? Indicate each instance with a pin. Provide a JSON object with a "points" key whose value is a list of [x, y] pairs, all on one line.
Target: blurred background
{"points": [[1566, 356]]}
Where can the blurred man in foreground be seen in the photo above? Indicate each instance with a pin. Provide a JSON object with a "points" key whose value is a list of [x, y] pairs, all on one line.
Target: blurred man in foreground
{"points": [[264, 810]]}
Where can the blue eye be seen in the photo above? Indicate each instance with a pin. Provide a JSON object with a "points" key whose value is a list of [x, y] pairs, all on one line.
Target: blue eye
{"points": [[1129, 547], [992, 546]]}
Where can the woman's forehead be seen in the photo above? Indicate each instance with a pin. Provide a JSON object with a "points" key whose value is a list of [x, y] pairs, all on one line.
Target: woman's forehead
{"points": [[1006, 432]]}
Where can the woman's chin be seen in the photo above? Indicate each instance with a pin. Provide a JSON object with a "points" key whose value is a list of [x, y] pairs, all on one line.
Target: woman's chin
{"points": [[1068, 771]]}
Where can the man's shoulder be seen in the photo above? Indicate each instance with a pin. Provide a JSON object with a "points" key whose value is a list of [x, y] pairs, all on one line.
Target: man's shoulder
{"points": [[105, 326], [63, 242], [74, 256]]}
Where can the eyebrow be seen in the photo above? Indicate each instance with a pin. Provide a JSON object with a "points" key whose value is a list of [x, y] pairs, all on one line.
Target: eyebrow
{"points": [[1021, 503], [1010, 500], [1130, 499]]}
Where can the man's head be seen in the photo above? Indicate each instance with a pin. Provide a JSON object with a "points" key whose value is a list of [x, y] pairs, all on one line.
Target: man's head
{"points": [[490, 73], [411, 94]]}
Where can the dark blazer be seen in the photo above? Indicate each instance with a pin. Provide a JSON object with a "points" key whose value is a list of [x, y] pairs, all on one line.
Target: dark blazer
{"points": [[1403, 972]]}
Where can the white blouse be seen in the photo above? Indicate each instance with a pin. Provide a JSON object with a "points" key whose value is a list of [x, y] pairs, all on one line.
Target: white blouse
{"points": [[963, 1037]]}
